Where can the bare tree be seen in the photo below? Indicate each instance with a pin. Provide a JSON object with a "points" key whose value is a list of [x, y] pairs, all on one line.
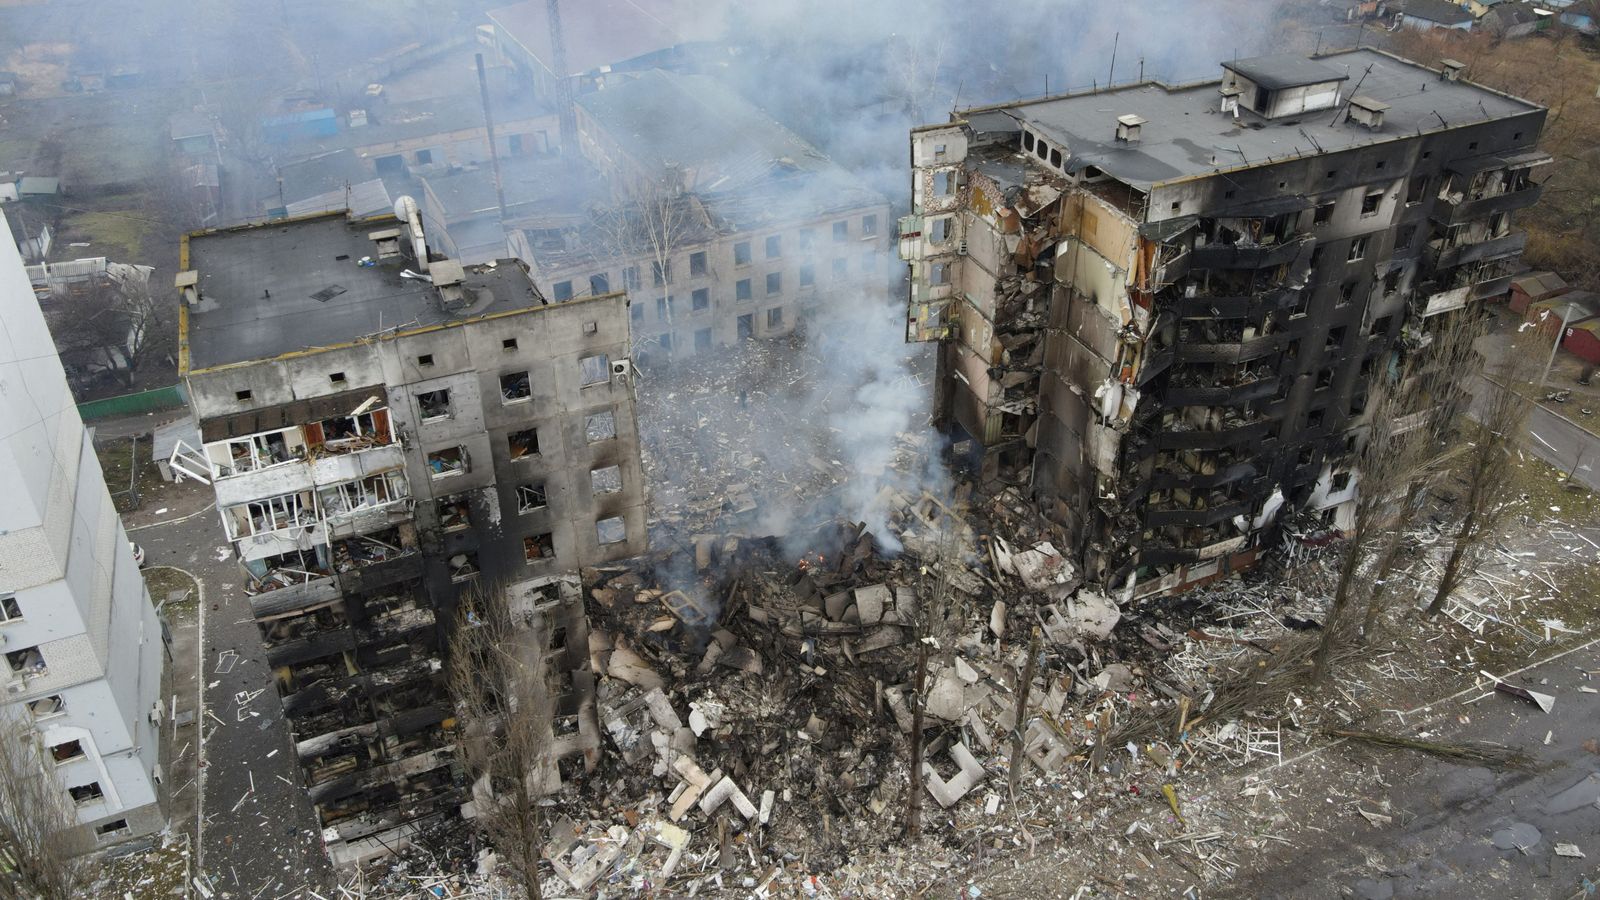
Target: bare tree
{"points": [[35, 857], [504, 705], [152, 326], [933, 624], [653, 224], [90, 329], [1502, 412]]}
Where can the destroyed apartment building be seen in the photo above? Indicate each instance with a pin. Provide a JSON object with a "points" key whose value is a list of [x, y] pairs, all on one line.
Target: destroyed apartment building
{"points": [[1163, 307], [722, 224], [388, 433]]}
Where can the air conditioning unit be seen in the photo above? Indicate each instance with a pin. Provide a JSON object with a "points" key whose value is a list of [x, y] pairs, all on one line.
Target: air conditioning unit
{"points": [[621, 368], [961, 248]]}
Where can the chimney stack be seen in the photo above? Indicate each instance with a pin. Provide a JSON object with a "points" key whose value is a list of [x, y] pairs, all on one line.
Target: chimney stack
{"points": [[1451, 69], [1128, 128]]}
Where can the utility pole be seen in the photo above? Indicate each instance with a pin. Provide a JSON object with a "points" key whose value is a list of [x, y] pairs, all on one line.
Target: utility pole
{"points": [[558, 61], [1566, 318], [488, 127]]}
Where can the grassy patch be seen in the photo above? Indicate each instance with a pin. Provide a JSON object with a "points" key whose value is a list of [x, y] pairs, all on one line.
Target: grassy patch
{"points": [[163, 580], [117, 462]]}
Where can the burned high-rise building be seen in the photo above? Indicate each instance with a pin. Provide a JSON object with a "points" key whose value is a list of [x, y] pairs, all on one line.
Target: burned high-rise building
{"points": [[389, 432], [1162, 307]]}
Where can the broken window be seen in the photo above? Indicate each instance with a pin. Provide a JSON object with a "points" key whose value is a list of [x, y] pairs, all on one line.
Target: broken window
{"points": [[746, 327], [1314, 418], [1404, 237], [340, 434], [774, 246], [563, 290], [808, 275], [67, 751], [455, 513], [111, 827], [538, 546], [363, 493], [523, 444], [515, 386], [664, 309], [271, 514], [530, 497], [508, 344], [600, 426], [594, 369], [940, 274], [242, 396], [808, 238], [86, 793], [742, 290], [1391, 282], [9, 608], [447, 462], [700, 300], [1358, 248], [607, 480], [1381, 327], [600, 284], [841, 231], [774, 283], [1324, 213], [425, 359], [1358, 405], [1371, 202], [741, 253], [463, 567], [661, 272], [1417, 189], [336, 377], [1347, 292], [611, 531], [630, 278], [775, 317], [869, 224], [702, 340], [943, 183], [27, 662], [44, 707], [939, 230], [1335, 338], [697, 263], [1324, 379]]}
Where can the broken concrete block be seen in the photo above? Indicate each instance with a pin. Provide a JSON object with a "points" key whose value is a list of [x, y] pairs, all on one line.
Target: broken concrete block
{"points": [[871, 602], [695, 782], [948, 793], [1092, 615], [834, 605], [767, 798], [965, 671], [879, 638], [1115, 678], [947, 697], [726, 791], [1042, 566], [997, 618], [625, 665]]}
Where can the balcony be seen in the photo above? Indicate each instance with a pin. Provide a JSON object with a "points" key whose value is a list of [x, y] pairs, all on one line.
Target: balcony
{"points": [[1259, 256], [289, 598], [1228, 436], [305, 650], [1196, 518], [1505, 245], [1233, 352], [1455, 212], [1245, 306], [374, 576], [1236, 472], [1219, 395]]}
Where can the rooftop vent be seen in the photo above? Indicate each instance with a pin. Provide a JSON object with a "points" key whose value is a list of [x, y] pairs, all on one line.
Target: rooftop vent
{"points": [[1230, 99], [188, 285], [1367, 111], [448, 276], [1450, 69], [1128, 127], [388, 241]]}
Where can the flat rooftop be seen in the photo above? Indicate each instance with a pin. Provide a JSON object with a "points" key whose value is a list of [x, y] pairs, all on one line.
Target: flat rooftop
{"points": [[282, 287], [1285, 70], [1186, 134]]}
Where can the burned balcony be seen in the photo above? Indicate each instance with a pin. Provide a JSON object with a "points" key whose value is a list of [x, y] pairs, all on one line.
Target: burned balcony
{"points": [[1200, 516], [304, 650], [1459, 208], [1232, 432], [367, 563], [397, 624], [1237, 393], [1246, 254], [362, 429], [311, 690], [1221, 345], [1222, 476], [1447, 255]]}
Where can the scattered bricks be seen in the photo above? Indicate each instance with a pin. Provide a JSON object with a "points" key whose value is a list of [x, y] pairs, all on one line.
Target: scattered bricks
{"points": [[725, 791]]}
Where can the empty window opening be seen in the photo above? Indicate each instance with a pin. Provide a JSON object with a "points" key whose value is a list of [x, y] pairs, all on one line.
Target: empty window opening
{"points": [[1371, 202], [531, 497], [661, 272], [1314, 418], [111, 827], [350, 433], [808, 275], [607, 480], [600, 426], [741, 253], [943, 183], [630, 278], [523, 444], [1404, 237], [697, 263], [1381, 327], [336, 377], [85, 794], [1347, 292], [1358, 404], [775, 317], [600, 284], [536, 547], [742, 290], [594, 369], [563, 290], [455, 513], [434, 404], [939, 230], [447, 462], [1335, 338], [515, 386], [242, 396], [1391, 282], [841, 231], [67, 751], [9, 607], [1027, 141], [1416, 189], [774, 246], [746, 327], [1324, 213], [463, 567], [940, 274], [869, 225], [27, 662], [558, 637], [611, 531], [1325, 379], [1358, 249], [702, 340], [774, 283], [508, 344], [44, 707], [1341, 481], [1055, 157], [425, 359]]}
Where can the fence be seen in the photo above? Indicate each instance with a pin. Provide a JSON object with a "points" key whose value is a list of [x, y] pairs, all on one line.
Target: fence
{"points": [[132, 404]]}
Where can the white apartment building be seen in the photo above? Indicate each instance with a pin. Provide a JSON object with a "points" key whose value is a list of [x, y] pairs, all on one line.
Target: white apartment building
{"points": [[68, 583]]}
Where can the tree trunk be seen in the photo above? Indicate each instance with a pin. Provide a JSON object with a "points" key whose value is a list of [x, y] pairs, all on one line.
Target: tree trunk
{"points": [[1452, 569], [914, 801], [1380, 586], [1336, 612], [1023, 690]]}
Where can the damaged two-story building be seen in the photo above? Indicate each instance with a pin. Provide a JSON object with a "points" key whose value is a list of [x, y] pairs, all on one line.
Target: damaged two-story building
{"points": [[391, 435], [1162, 306]]}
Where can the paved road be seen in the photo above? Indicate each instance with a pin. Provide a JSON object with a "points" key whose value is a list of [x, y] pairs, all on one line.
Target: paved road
{"points": [[259, 833], [1557, 438], [1462, 831]]}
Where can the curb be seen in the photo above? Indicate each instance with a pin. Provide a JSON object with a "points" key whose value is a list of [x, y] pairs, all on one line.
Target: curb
{"points": [[207, 508]]}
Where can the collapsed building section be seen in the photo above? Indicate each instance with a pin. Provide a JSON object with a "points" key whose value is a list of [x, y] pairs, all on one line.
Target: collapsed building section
{"points": [[387, 432], [1162, 307]]}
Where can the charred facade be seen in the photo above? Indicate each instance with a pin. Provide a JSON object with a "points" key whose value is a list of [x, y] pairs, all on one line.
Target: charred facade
{"points": [[1162, 307], [383, 445]]}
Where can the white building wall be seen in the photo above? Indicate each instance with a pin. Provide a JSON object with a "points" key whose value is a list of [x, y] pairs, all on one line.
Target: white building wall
{"points": [[65, 555]]}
